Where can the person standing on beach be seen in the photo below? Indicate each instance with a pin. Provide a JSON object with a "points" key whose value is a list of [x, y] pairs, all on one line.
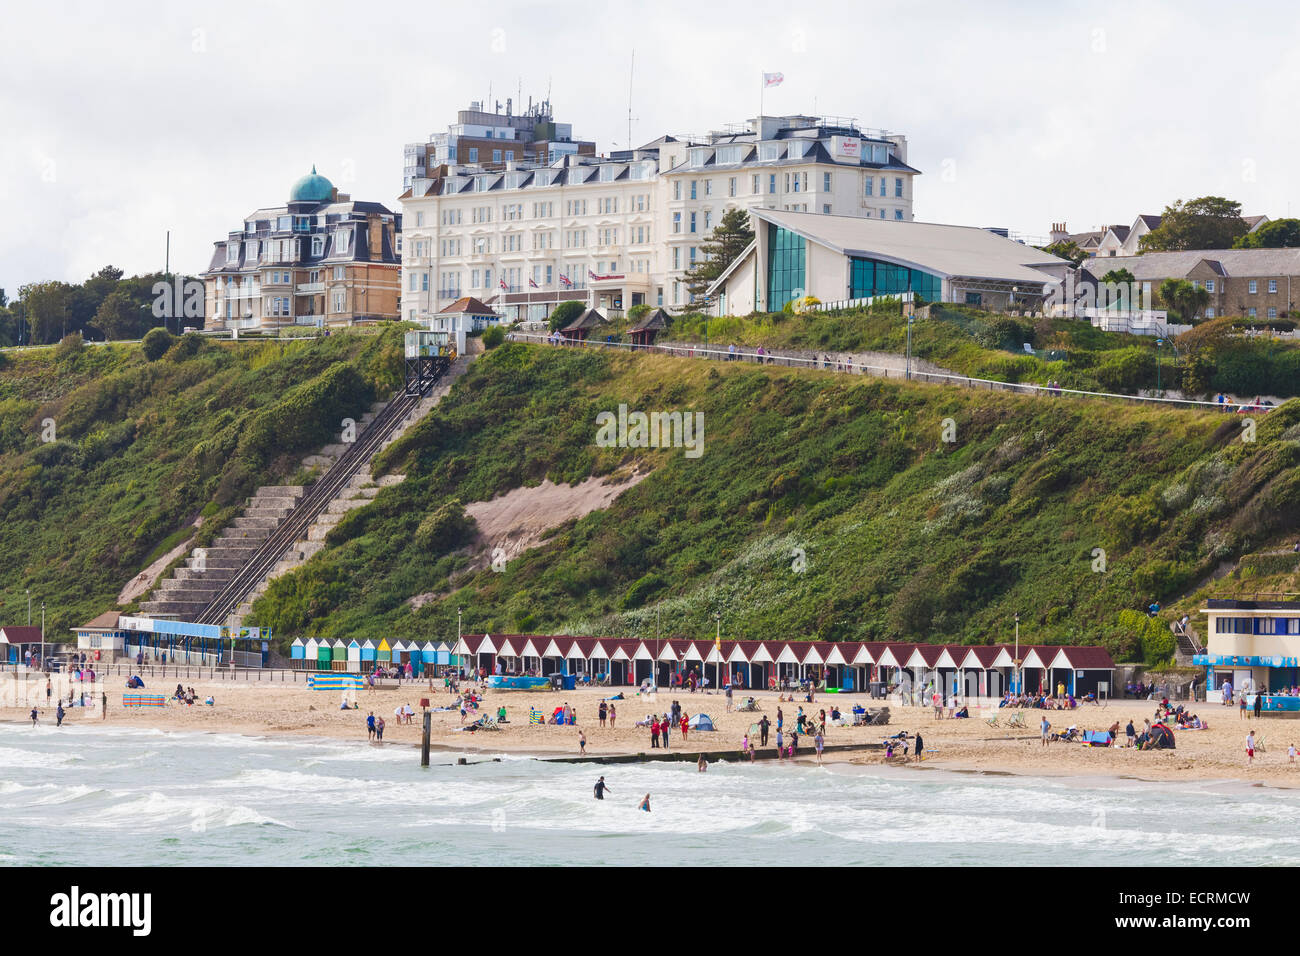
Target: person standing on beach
{"points": [[654, 733], [379, 730], [599, 789], [59, 715], [728, 698], [1250, 747], [780, 720], [1259, 704], [35, 717], [612, 714], [370, 726], [818, 742], [916, 747], [1045, 728], [602, 712], [105, 706], [1290, 752], [780, 744], [763, 726], [1241, 710], [582, 743], [1130, 733], [49, 688]]}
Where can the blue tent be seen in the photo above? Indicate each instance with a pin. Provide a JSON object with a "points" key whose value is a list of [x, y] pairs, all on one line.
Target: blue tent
{"points": [[701, 722]]}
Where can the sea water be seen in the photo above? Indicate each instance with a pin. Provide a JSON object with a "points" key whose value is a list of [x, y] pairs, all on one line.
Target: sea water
{"points": [[122, 796]]}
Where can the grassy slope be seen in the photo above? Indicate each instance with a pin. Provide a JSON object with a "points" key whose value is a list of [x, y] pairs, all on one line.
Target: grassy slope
{"points": [[142, 448], [905, 537]]}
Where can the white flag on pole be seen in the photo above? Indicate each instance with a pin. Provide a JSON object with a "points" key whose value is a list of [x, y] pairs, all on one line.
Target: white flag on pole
{"points": [[772, 79]]}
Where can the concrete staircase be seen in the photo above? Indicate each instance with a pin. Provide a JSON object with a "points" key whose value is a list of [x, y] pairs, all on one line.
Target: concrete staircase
{"points": [[193, 586], [1185, 646], [359, 491]]}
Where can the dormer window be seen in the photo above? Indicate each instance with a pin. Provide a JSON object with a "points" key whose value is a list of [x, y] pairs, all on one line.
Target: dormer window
{"points": [[341, 239], [317, 246], [232, 252], [769, 151]]}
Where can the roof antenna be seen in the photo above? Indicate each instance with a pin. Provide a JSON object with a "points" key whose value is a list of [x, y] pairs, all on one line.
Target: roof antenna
{"points": [[630, 74]]}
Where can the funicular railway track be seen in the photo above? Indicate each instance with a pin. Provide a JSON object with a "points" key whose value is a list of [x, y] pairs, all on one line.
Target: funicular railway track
{"points": [[295, 525]]}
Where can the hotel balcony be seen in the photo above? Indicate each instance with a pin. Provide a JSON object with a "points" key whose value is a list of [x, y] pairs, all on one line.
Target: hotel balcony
{"points": [[309, 288]]}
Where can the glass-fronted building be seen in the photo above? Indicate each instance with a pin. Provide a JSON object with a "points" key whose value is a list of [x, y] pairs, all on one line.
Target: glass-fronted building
{"points": [[868, 277]]}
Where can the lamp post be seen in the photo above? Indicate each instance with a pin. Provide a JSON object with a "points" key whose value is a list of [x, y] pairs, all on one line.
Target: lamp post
{"points": [[44, 666], [29, 607], [1016, 659], [1159, 342], [909, 348], [458, 637], [717, 639]]}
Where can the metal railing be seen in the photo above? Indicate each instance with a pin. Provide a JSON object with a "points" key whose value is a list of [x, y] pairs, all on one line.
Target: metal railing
{"points": [[879, 371]]}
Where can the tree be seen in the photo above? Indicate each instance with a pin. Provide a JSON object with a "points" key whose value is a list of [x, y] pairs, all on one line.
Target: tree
{"points": [[1278, 234], [120, 316], [565, 313], [1118, 277], [1210, 222], [493, 336], [1180, 296], [155, 344], [727, 241], [46, 307], [1066, 249]]}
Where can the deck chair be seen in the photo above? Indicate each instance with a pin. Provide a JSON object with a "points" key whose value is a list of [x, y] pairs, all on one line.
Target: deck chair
{"points": [[488, 723], [880, 718], [1017, 719], [1259, 744], [991, 718]]}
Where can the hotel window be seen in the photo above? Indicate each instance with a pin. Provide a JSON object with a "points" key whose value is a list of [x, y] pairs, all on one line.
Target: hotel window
{"points": [[708, 220], [677, 189], [1272, 286], [677, 257], [1252, 287], [708, 187], [411, 286], [867, 191], [898, 214], [424, 282], [731, 186], [419, 219], [232, 252], [692, 256], [693, 183], [338, 273], [1209, 285], [754, 190], [882, 214], [898, 188], [473, 154], [473, 279], [339, 298], [826, 209], [510, 155], [692, 222], [771, 183], [496, 155], [826, 182], [677, 222], [1209, 313], [1251, 312], [317, 245], [313, 276], [1272, 312]]}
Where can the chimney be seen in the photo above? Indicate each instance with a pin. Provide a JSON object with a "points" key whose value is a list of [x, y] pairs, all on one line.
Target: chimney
{"points": [[1058, 233], [376, 237]]}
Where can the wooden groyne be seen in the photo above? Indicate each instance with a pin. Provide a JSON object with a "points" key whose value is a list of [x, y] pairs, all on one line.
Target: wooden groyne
{"points": [[712, 756]]}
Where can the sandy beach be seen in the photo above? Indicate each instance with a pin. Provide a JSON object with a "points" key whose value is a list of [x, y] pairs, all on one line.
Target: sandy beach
{"points": [[968, 744]]}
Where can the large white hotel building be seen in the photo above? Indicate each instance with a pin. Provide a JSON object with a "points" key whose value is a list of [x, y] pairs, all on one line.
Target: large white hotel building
{"points": [[620, 230]]}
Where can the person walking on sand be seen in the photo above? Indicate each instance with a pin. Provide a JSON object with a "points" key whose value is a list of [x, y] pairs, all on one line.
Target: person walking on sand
{"points": [[1250, 747], [1045, 729], [599, 789], [1130, 733], [59, 715], [1290, 753], [582, 743], [370, 726], [780, 743], [780, 720], [379, 730], [602, 712], [645, 804], [663, 730], [1241, 710]]}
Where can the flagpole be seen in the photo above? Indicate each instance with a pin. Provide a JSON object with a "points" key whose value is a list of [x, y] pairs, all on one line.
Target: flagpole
{"points": [[762, 87]]}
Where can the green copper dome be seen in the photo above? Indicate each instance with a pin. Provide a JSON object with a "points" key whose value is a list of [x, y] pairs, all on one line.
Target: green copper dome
{"points": [[312, 188]]}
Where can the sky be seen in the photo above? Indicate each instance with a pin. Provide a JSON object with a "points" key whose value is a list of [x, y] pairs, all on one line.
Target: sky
{"points": [[119, 122]]}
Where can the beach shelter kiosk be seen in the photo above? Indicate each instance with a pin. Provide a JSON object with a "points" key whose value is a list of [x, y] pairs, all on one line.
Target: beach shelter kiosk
{"points": [[643, 663], [837, 667], [384, 652], [338, 655], [583, 325], [787, 663], [644, 332], [738, 667], [762, 666], [354, 654], [297, 649], [1034, 668]]}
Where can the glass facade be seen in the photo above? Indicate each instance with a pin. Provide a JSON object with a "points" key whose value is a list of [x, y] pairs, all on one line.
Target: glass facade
{"points": [[871, 277], [786, 267]]}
